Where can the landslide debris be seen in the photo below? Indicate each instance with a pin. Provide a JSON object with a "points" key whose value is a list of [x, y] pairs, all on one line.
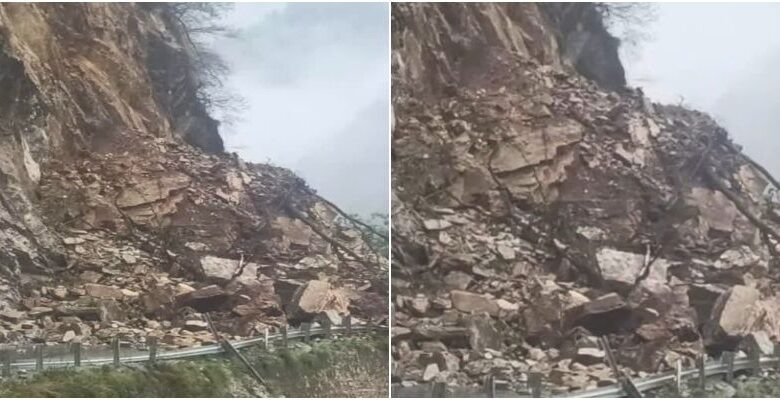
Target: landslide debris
{"points": [[552, 210], [118, 220]]}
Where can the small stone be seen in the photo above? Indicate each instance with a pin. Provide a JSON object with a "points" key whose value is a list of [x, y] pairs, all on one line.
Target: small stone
{"points": [[73, 240], [536, 354], [419, 305], [11, 315], [761, 342], [589, 355], [436, 224], [60, 293], [469, 302], [507, 306], [457, 280], [103, 291], [430, 372], [68, 336], [195, 325], [506, 252]]}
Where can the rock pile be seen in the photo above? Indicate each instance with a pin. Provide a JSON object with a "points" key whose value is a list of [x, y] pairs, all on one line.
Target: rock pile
{"points": [[113, 225], [552, 211]]}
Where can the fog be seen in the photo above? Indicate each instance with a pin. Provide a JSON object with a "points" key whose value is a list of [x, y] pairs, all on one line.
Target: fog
{"points": [[721, 58], [315, 79]]}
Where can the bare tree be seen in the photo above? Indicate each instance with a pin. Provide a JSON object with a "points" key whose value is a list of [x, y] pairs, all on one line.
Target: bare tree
{"points": [[200, 25], [628, 21]]}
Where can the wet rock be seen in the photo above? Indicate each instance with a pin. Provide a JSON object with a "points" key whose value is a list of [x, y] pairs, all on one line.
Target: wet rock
{"points": [[469, 302]]}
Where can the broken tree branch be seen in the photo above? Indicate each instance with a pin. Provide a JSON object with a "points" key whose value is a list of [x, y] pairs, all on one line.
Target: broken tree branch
{"points": [[297, 214], [764, 228], [351, 218]]}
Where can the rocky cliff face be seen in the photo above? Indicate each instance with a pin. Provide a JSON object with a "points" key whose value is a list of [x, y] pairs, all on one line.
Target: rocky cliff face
{"points": [[120, 214], [557, 206]]}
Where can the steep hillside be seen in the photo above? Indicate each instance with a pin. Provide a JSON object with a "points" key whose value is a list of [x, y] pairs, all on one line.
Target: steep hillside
{"points": [[122, 216], [538, 204]]}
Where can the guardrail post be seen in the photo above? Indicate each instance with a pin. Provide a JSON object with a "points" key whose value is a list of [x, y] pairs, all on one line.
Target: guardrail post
{"points": [[39, 357], [728, 359], [439, 390], [326, 324], [678, 376], [348, 323], [152, 342], [700, 362], [115, 350], [535, 384], [265, 339], [490, 386], [306, 326], [755, 359], [77, 354], [6, 355], [777, 356], [284, 336]]}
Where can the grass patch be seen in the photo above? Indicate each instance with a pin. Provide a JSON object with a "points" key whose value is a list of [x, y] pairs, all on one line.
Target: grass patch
{"points": [[354, 367], [201, 378]]}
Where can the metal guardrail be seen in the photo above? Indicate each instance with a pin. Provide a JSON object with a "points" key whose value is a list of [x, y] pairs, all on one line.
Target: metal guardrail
{"points": [[712, 368], [654, 382], [201, 350]]}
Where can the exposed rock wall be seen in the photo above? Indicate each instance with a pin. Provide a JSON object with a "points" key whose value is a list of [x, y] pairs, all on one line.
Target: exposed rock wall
{"points": [[112, 224], [557, 205]]}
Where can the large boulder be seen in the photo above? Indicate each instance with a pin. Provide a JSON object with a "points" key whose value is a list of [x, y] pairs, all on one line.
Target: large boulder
{"points": [[315, 297], [208, 298], [469, 302], [222, 270], [621, 269], [730, 318], [602, 315]]}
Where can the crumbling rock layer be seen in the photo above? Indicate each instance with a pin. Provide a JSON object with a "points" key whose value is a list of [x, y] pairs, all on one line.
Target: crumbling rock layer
{"points": [[115, 219], [553, 210]]}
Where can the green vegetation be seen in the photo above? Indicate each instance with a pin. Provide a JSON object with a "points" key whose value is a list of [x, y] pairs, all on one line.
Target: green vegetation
{"points": [[344, 368], [201, 378], [355, 367]]}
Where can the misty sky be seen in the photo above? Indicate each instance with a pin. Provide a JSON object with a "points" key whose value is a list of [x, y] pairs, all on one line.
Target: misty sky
{"points": [[721, 58], [315, 78]]}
